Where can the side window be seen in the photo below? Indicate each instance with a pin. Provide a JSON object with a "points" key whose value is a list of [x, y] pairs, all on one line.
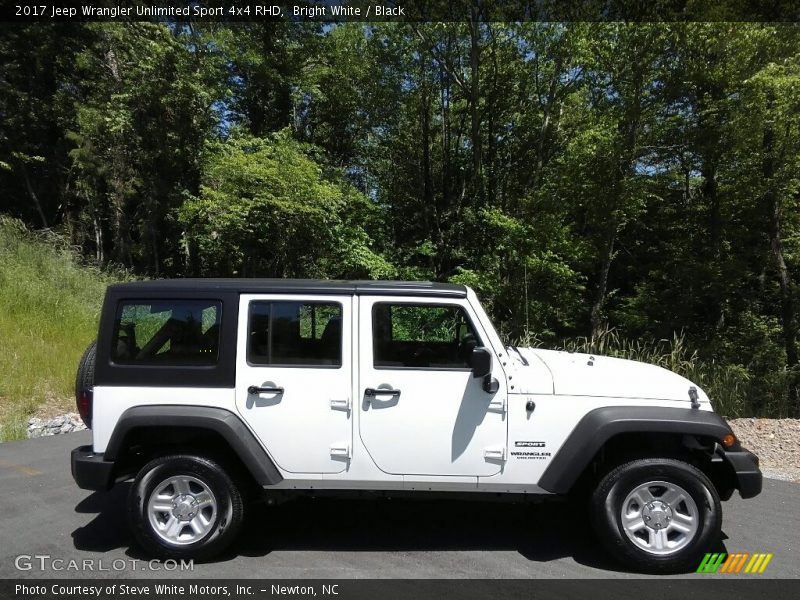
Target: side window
{"points": [[421, 336], [167, 332], [295, 333]]}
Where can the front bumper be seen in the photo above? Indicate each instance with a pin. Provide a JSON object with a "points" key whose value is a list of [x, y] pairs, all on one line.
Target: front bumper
{"points": [[90, 471], [747, 475]]}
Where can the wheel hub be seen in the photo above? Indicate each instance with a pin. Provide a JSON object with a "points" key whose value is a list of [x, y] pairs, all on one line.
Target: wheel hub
{"points": [[657, 514], [184, 507]]}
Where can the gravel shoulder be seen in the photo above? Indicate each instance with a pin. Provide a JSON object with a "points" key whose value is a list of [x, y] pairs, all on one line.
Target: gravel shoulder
{"points": [[776, 442]]}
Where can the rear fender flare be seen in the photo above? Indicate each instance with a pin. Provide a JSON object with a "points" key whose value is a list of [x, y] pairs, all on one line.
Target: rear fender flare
{"points": [[223, 422]]}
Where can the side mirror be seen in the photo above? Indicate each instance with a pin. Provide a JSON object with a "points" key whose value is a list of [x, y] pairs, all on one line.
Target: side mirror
{"points": [[481, 362]]}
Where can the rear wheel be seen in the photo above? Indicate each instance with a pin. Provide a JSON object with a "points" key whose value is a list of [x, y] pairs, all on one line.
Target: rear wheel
{"points": [[657, 515], [185, 506]]}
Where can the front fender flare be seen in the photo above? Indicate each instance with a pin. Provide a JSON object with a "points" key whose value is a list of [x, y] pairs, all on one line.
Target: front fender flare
{"points": [[601, 424]]}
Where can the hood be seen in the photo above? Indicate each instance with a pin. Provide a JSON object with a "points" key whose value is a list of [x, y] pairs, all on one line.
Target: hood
{"points": [[602, 376]]}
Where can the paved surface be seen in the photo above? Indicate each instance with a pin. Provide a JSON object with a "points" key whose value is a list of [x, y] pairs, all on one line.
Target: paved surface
{"points": [[44, 513]]}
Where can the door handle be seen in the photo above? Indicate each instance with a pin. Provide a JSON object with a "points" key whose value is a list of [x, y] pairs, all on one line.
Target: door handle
{"points": [[254, 389], [372, 392], [340, 403], [343, 451]]}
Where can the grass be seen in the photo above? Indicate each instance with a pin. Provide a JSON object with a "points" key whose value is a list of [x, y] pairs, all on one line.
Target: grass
{"points": [[49, 309]]}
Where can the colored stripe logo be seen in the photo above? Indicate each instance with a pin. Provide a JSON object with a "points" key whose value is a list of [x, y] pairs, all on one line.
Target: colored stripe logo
{"points": [[736, 563]]}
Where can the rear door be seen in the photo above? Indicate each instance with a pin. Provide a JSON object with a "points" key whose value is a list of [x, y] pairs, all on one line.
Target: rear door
{"points": [[294, 377], [422, 411]]}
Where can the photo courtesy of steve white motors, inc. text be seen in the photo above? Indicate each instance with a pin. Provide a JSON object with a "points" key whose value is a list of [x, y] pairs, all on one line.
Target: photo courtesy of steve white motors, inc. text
{"points": [[170, 589]]}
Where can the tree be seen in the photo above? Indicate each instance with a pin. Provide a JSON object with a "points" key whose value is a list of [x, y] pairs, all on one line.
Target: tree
{"points": [[266, 209], [144, 111]]}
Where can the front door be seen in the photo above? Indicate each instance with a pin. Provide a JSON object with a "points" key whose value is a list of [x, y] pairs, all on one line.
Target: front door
{"points": [[293, 378], [422, 411]]}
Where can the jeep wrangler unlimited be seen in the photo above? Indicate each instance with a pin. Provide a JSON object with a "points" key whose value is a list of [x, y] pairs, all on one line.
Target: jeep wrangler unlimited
{"points": [[202, 391]]}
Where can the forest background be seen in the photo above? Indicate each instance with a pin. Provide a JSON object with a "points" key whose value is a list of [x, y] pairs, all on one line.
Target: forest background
{"points": [[630, 189]]}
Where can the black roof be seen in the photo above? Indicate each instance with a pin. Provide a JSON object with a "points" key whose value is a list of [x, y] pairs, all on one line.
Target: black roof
{"points": [[311, 286]]}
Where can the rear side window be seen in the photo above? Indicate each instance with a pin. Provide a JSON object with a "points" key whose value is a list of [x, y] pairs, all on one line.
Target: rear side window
{"points": [[295, 334], [167, 332], [423, 336]]}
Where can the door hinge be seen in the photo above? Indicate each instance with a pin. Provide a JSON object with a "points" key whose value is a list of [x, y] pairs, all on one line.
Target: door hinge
{"points": [[498, 405], [341, 451], [495, 453]]}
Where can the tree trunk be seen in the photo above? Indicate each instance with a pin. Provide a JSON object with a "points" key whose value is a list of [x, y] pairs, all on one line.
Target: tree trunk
{"points": [[596, 316], [711, 196], [625, 161], [33, 196], [98, 241], [475, 90], [121, 249]]}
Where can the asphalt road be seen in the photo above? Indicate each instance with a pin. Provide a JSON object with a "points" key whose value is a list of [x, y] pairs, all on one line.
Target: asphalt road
{"points": [[45, 514]]}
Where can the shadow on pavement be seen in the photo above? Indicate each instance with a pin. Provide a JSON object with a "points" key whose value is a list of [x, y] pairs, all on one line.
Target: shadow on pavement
{"points": [[539, 532], [109, 529]]}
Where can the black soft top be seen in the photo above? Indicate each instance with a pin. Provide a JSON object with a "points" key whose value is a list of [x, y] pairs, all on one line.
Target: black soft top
{"points": [[292, 286]]}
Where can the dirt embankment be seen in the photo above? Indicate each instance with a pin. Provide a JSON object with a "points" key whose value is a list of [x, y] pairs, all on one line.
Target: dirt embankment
{"points": [[775, 441]]}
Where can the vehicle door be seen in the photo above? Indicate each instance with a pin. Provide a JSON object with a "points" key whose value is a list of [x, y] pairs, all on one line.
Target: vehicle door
{"points": [[294, 377], [422, 411]]}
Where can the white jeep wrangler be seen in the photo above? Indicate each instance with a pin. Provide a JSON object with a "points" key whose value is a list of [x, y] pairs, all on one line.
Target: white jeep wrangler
{"points": [[204, 390]]}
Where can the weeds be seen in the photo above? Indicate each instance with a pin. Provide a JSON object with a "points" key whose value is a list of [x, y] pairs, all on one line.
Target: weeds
{"points": [[49, 309]]}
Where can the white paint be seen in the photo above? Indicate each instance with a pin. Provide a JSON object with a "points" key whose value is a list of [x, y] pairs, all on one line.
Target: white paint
{"points": [[111, 401], [602, 376], [440, 424], [443, 432], [300, 427]]}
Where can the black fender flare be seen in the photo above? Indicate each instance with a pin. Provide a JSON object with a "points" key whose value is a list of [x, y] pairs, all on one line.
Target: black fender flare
{"points": [[601, 424], [219, 420]]}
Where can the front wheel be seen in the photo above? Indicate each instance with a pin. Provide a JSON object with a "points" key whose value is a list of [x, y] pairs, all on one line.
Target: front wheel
{"points": [[184, 506], [657, 515]]}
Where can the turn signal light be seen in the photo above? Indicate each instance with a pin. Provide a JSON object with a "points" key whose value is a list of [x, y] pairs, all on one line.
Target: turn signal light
{"points": [[729, 440]]}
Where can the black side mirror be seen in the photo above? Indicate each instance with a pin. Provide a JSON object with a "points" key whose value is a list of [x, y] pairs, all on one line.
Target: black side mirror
{"points": [[481, 361]]}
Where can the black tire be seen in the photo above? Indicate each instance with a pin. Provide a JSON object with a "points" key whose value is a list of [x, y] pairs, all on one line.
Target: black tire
{"points": [[610, 494], [84, 379], [226, 491]]}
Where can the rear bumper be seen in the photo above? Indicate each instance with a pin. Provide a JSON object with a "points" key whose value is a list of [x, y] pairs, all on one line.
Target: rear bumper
{"points": [[90, 471], [746, 472]]}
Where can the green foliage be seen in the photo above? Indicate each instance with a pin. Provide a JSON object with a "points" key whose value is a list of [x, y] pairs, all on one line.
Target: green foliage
{"points": [[583, 177], [525, 272], [49, 307], [142, 116], [267, 209]]}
